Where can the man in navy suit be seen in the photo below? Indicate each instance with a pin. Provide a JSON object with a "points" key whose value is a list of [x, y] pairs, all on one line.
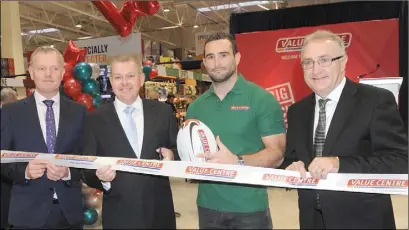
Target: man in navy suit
{"points": [[44, 195]]}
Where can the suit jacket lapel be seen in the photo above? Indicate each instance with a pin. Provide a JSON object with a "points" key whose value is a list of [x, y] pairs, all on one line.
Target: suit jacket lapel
{"points": [[309, 124], [342, 112], [149, 117], [64, 123], [114, 125], [33, 123]]}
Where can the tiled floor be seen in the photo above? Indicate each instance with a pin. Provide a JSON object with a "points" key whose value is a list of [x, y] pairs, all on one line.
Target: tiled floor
{"points": [[184, 195], [283, 218]]}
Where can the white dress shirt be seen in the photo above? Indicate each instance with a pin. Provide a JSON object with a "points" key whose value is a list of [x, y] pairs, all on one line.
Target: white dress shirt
{"points": [[330, 107], [41, 112], [139, 121]]}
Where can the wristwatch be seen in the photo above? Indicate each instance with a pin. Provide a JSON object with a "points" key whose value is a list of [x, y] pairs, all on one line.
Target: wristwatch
{"points": [[240, 160]]}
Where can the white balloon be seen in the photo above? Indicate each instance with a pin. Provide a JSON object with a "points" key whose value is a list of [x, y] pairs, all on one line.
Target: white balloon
{"points": [[95, 70]]}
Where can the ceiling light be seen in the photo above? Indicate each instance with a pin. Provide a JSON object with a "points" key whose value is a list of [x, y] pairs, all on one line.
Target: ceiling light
{"points": [[195, 26], [166, 9], [232, 6], [78, 25], [82, 38], [52, 46], [43, 31]]}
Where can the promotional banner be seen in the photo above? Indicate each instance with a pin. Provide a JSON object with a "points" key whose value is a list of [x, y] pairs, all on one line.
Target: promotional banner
{"points": [[271, 59], [396, 184], [99, 50]]}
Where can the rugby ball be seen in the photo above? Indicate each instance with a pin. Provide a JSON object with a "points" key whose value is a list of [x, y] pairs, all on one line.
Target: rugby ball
{"points": [[194, 137]]}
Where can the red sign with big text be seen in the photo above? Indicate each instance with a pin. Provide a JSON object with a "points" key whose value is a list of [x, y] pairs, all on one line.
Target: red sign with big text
{"points": [[271, 59]]}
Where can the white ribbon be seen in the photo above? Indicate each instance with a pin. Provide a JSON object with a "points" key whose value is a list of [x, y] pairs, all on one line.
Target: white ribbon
{"points": [[365, 183]]}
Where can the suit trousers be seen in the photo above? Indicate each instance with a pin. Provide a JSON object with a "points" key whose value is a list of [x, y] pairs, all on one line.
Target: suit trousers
{"points": [[56, 220]]}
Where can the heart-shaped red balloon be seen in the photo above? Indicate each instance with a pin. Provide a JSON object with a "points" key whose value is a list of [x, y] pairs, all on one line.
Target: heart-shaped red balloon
{"points": [[123, 20]]}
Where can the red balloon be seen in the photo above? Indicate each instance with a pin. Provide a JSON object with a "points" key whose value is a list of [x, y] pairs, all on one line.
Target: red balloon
{"points": [[68, 66], [149, 7], [123, 20], [74, 54], [153, 73], [131, 11], [147, 62], [111, 13], [72, 87], [86, 100]]}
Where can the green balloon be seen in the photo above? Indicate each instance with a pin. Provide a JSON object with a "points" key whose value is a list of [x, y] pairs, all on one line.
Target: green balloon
{"points": [[97, 100], [82, 71], [90, 87], [90, 216]]}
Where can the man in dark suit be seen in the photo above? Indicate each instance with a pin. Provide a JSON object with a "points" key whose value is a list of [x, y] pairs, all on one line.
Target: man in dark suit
{"points": [[44, 195], [136, 128], [8, 95], [343, 127]]}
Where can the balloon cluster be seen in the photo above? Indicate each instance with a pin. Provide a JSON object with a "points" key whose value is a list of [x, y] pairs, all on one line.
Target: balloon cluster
{"points": [[148, 70], [79, 81], [92, 203], [124, 20]]}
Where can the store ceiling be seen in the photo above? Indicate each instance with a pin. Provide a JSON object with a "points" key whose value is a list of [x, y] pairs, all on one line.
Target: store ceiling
{"points": [[174, 28]]}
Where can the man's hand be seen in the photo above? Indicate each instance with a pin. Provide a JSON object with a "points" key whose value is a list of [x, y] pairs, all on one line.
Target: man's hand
{"points": [[36, 168], [106, 174], [55, 172], [299, 167], [223, 156], [321, 166], [167, 154]]}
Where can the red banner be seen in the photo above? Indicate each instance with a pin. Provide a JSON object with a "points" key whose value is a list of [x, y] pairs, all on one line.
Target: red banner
{"points": [[271, 59]]}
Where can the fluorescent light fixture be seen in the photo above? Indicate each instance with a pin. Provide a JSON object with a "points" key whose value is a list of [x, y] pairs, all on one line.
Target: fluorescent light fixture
{"points": [[78, 25], [52, 46], [23, 34], [166, 9], [231, 6], [195, 26], [43, 31], [82, 38]]}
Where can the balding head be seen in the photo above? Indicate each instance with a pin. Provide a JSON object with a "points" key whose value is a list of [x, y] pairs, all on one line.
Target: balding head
{"points": [[8, 95]]}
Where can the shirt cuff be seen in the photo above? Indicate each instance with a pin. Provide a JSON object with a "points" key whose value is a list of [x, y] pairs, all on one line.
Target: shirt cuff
{"points": [[68, 177], [106, 185]]}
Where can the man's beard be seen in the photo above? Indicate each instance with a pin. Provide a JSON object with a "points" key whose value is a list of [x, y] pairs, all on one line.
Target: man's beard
{"points": [[222, 78]]}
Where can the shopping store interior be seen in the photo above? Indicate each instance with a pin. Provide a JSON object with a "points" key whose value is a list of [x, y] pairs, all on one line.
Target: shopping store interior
{"points": [[169, 36]]}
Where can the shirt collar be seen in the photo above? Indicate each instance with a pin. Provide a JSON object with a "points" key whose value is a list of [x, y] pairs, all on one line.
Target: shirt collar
{"points": [[40, 98], [335, 95], [237, 88], [137, 104]]}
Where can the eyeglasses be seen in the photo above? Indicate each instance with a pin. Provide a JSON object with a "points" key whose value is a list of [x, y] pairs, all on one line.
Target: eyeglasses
{"points": [[323, 62]]}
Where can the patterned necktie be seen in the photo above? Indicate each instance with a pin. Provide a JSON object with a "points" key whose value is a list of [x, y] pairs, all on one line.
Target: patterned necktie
{"points": [[319, 139], [130, 129], [50, 126]]}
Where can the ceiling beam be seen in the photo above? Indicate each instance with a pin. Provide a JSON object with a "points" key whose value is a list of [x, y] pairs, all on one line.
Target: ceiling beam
{"points": [[214, 11], [47, 37], [170, 21], [204, 15], [55, 25]]}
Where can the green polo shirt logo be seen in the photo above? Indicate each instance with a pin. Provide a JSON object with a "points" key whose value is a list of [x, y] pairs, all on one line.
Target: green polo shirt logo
{"points": [[241, 119]]}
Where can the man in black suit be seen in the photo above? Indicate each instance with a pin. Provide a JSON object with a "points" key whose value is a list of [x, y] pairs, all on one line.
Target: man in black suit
{"points": [[136, 128], [8, 95], [44, 195], [342, 127]]}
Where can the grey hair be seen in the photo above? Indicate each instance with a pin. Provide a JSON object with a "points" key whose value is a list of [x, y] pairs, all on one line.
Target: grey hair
{"points": [[8, 95], [46, 49], [323, 34]]}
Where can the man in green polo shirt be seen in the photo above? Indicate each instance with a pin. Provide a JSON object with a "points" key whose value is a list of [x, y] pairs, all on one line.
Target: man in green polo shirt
{"points": [[248, 123]]}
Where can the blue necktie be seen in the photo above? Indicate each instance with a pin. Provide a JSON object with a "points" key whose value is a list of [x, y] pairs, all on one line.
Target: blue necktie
{"points": [[50, 126], [130, 129]]}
